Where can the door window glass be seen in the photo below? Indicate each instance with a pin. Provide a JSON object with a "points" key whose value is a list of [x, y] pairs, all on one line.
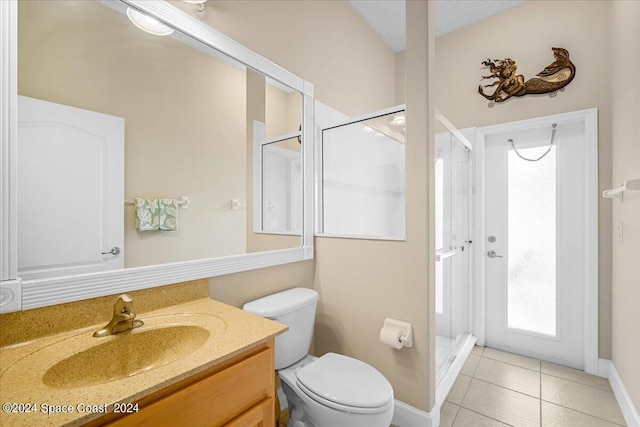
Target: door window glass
{"points": [[531, 242]]}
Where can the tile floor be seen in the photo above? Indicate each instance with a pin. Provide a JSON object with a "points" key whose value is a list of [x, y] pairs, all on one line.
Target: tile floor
{"points": [[498, 389], [284, 418]]}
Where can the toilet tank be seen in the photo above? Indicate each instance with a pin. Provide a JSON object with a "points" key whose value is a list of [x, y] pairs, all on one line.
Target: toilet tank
{"points": [[295, 308]]}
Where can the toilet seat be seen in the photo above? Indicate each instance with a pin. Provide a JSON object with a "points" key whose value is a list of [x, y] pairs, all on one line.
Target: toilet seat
{"points": [[346, 384]]}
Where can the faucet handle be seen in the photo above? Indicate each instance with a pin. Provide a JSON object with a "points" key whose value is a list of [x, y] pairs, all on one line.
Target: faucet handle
{"points": [[123, 304]]}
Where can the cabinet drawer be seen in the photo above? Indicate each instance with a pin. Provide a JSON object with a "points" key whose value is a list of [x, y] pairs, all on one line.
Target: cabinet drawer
{"points": [[258, 416], [214, 400]]}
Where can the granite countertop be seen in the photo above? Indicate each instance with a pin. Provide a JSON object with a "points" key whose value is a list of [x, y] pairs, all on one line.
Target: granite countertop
{"points": [[230, 330]]}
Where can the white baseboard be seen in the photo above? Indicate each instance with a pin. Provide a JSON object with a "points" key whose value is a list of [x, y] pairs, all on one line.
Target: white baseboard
{"points": [[405, 415], [604, 366], [627, 407]]}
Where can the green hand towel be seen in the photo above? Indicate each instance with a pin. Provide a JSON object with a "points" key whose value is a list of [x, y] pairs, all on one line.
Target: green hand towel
{"points": [[147, 214], [168, 214]]}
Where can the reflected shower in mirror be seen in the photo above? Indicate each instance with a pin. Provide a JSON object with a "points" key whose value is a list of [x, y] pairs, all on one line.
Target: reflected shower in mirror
{"points": [[109, 114], [281, 177], [363, 177]]}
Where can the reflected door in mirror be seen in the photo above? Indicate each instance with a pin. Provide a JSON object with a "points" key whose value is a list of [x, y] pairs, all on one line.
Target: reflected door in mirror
{"points": [[70, 190]]}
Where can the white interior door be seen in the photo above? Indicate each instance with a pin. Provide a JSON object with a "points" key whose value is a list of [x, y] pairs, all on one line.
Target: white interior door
{"points": [[70, 190], [535, 222]]}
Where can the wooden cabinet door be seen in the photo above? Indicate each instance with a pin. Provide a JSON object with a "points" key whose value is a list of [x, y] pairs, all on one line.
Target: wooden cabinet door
{"points": [[260, 415], [222, 398]]}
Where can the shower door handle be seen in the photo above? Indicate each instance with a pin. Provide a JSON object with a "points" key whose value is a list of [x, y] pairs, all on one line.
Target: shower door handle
{"points": [[492, 254]]}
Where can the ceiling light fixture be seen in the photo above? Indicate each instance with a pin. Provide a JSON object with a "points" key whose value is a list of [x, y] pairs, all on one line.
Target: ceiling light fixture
{"points": [[147, 23], [398, 120], [199, 3]]}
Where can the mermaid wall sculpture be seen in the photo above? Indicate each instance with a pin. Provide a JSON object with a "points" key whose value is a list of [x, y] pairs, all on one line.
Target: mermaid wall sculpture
{"points": [[552, 79]]}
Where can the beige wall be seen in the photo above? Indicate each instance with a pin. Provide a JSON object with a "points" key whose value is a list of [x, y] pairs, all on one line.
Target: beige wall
{"points": [[400, 77], [363, 281], [625, 99], [325, 42], [526, 34], [283, 112], [360, 282], [334, 49]]}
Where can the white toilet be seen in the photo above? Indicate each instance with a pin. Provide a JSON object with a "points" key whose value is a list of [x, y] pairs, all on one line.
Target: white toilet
{"points": [[329, 391]]}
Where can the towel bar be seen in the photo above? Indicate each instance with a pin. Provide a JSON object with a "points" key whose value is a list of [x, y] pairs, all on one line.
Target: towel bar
{"points": [[183, 202]]}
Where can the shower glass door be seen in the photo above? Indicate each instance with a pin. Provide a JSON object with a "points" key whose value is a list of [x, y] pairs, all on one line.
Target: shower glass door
{"points": [[452, 207]]}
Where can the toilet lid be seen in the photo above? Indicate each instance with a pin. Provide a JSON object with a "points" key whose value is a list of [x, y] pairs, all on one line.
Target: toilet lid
{"points": [[346, 381]]}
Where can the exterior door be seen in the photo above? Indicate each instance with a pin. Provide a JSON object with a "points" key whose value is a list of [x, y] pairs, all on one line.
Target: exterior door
{"points": [[535, 242], [70, 190]]}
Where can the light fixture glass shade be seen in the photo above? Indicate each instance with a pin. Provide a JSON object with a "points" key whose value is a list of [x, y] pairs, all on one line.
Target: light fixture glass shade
{"points": [[398, 120], [195, 1], [147, 23]]}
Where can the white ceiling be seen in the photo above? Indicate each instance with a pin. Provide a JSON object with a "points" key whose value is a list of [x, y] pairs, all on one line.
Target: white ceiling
{"points": [[387, 17]]}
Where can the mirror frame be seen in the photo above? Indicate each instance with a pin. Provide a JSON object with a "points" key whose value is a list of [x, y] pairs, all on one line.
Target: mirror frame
{"points": [[16, 294]]}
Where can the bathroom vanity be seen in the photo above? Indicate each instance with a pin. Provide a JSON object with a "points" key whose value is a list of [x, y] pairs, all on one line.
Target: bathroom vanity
{"points": [[239, 392], [197, 363]]}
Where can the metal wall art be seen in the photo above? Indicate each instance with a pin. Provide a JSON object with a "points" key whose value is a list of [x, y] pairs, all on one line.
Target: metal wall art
{"points": [[552, 79]]}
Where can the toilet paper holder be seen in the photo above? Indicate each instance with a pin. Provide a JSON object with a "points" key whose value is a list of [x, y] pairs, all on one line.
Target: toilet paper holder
{"points": [[406, 338]]}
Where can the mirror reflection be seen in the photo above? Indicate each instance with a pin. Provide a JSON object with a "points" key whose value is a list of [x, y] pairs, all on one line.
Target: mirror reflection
{"points": [[281, 172], [141, 142]]}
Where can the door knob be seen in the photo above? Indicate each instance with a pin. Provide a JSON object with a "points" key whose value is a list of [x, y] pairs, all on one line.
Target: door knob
{"points": [[492, 254], [114, 251]]}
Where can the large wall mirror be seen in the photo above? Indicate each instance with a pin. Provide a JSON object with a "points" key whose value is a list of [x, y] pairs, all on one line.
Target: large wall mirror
{"points": [[136, 152]]}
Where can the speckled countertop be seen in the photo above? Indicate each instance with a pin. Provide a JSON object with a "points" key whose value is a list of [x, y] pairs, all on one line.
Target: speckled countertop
{"points": [[228, 332]]}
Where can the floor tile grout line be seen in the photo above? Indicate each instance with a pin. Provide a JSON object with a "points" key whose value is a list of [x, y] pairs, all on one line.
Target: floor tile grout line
{"points": [[465, 394], [540, 399], [576, 382], [545, 373], [580, 412], [508, 388], [456, 415], [476, 368], [487, 382], [462, 400], [513, 364], [540, 385], [486, 416], [551, 375]]}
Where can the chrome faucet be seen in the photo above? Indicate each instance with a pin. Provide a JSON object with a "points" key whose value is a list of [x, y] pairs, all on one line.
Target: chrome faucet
{"points": [[123, 318]]}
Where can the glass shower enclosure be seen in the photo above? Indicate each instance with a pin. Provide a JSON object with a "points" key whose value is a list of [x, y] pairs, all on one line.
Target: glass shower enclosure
{"points": [[453, 238]]}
